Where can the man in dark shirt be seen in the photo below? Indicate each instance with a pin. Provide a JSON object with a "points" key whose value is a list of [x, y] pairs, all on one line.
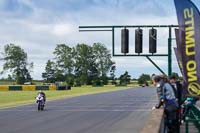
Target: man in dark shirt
{"points": [[177, 88]]}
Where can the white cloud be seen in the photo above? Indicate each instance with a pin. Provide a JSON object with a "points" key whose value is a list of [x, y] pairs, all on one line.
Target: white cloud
{"points": [[62, 29], [44, 27]]}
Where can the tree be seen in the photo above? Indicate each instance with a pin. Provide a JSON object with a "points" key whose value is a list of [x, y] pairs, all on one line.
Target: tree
{"points": [[16, 61], [102, 58], [9, 77], [64, 58], [85, 66], [144, 78], [49, 74], [64, 62], [82, 64], [103, 61], [125, 78], [59, 76], [112, 73]]}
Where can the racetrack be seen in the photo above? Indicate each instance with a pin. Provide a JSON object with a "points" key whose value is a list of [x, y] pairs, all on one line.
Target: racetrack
{"points": [[123, 111]]}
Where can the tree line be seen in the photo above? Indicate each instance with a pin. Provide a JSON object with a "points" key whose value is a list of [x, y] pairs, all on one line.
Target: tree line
{"points": [[78, 65], [82, 64]]}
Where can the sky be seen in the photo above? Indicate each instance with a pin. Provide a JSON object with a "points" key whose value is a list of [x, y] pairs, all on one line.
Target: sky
{"points": [[38, 26]]}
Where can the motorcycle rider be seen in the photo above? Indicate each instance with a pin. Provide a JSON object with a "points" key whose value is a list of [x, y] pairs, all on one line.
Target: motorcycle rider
{"points": [[42, 94]]}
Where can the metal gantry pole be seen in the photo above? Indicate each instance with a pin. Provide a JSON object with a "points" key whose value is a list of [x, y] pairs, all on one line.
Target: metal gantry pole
{"points": [[113, 41], [170, 52], [155, 65]]}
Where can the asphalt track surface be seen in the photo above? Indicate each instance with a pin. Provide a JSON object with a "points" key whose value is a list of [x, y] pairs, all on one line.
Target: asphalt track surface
{"points": [[123, 111]]}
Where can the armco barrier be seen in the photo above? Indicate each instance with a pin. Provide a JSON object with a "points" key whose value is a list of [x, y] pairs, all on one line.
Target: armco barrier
{"points": [[15, 88], [26, 87], [64, 87], [155, 124], [4, 88], [52, 87], [42, 87]]}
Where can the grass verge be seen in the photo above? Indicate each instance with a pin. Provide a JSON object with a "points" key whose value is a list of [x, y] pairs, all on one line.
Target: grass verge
{"points": [[16, 98]]}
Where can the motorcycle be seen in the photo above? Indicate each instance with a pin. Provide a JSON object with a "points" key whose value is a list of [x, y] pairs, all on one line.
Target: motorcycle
{"points": [[40, 102]]}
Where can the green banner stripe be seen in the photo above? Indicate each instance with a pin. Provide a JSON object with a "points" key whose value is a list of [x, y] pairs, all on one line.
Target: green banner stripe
{"points": [[42, 87], [15, 88]]}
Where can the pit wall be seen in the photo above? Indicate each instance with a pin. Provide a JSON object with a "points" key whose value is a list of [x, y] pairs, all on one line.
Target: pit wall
{"points": [[155, 123]]}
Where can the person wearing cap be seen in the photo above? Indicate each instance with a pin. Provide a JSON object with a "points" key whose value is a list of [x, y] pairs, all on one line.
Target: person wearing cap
{"points": [[167, 99]]}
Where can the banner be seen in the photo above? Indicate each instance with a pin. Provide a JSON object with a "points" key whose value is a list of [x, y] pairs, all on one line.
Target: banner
{"points": [[179, 50], [188, 44], [178, 58]]}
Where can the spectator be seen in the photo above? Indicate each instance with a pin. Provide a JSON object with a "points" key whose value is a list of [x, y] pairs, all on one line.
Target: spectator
{"points": [[166, 98]]}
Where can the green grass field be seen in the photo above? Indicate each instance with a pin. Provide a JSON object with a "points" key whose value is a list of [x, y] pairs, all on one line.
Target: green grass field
{"points": [[15, 98]]}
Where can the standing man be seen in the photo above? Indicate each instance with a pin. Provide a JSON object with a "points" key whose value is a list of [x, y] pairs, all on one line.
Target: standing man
{"points": [[178, 92], [177, 88]]}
